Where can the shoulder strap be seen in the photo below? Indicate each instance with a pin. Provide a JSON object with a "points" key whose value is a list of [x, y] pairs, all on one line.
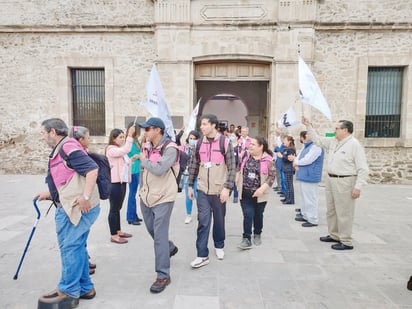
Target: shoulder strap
{"points": [[222, 145]]}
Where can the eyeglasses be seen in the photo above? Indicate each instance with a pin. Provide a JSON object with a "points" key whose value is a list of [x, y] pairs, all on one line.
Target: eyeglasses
{"points": [[148, 129]]}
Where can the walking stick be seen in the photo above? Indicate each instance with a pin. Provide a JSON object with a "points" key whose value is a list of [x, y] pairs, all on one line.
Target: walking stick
{"points": [[31, 235]]}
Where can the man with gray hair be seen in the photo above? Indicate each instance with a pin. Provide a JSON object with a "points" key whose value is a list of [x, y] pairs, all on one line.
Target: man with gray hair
{"points": [[347, 173], [73, 190]]}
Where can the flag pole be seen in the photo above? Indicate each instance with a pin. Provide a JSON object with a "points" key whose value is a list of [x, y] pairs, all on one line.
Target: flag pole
{"points": [[298, 78]]}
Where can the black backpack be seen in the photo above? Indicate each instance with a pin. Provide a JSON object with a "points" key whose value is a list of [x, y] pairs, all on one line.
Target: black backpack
{"points": [[103, 181], [182, 156]]}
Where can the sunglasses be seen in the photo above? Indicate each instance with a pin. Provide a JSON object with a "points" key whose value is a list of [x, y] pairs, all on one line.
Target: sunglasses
{"points": [[148, 129]]}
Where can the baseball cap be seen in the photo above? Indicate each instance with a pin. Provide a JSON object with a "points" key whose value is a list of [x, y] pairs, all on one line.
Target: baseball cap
{"points": [[153, 122]]}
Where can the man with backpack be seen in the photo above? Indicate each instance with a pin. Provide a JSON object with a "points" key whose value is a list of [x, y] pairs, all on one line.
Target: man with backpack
{"points": [[75, 195], [215, 171], [159, 163]]}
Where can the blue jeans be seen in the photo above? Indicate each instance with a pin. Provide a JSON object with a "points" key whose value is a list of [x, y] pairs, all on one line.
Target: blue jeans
{"points": [[282, 182], [208, 205], [131, 214], [75, 278], [189, 202], [252, 215]]}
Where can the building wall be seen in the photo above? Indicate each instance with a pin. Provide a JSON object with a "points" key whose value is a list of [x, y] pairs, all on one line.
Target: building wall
{"points": [[40, 40]]}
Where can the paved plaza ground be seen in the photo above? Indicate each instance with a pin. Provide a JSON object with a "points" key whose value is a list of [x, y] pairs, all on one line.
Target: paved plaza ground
{"points": [[291, 269]]}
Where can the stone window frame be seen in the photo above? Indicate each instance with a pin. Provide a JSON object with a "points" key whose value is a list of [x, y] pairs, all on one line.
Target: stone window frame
{"points": [[364, 62], [64, 95]]}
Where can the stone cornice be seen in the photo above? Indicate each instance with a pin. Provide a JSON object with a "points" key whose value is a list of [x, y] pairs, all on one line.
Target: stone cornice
{"points": [[76, 28], [362, 26]]}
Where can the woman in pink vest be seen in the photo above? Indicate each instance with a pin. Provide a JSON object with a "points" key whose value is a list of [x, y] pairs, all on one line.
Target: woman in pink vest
{"points": [[254, 179]]}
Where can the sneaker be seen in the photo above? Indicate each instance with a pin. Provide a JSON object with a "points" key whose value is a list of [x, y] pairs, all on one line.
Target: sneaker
{"points": [[245, 244], [188, 219], [220, 253], [199, 262], [257, 240], [160, 284]]}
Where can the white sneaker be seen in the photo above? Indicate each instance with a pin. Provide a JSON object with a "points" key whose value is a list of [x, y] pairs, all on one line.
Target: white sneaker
{"points": [[199, 262], [220, 253], [188, 219]]}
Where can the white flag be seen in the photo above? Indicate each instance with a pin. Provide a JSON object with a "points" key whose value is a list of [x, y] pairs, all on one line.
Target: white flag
{"points": [[156, 103], [288, 119], [309, 90], [193, 118]]}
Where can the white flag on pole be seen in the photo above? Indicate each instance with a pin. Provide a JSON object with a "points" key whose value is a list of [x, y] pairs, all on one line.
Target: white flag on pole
{"points": [[156, 103], [193, 117], [288, 119], [309, 90]]}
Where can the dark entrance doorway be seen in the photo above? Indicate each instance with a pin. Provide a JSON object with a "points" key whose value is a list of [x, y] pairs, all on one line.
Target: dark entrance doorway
{"points": [[239, 101]]}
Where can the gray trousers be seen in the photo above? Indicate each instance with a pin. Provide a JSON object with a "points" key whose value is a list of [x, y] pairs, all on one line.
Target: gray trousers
{"points": [[309, 200], [157, 221]]}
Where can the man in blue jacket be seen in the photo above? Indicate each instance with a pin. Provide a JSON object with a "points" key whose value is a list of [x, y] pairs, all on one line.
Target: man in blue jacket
{"points": [[308, 165]]}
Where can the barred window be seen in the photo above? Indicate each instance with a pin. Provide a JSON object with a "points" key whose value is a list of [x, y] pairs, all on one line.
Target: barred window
{"points": [[89, 99], [384, 102]]}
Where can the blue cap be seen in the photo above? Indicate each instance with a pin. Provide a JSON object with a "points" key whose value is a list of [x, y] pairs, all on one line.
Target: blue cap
{"points": [[153, 122]]}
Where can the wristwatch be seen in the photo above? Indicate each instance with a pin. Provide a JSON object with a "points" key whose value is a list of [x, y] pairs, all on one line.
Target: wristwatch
{"points": [[86, 197]]}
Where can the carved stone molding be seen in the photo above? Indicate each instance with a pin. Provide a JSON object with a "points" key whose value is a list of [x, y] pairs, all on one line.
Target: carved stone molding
{"points": [[172, 11], [297, 10], [235, 12]]}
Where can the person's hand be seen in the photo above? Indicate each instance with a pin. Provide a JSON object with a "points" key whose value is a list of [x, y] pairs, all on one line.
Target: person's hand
{"points": [[224, 195], [142, 155], [85, 206], [43, 196], [279, 155], [259, 192], [135, 157], [131, 131], [190, 193], [355, 193], [306, 121]]}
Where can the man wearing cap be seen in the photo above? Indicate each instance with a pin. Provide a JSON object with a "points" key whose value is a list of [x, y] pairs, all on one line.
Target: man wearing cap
{"points": [[159, 162], [347, 173]]}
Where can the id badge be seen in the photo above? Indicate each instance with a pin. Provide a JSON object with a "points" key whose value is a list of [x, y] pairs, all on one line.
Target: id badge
{"points": [[251, 175], [207, 164]]}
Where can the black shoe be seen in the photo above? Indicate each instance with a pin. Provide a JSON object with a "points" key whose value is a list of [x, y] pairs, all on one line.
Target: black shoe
{"points": [[173, 252], [280, 192], [283, 200], [297, 209], [300, 219], [140, 220], [409, 285], [160, 284], [137, 222], [340, 246], [308, 224], [328, 239], [287, 203]]}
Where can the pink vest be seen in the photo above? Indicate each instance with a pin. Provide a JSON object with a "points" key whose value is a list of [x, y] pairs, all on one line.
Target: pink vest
{"points": [[59, 171], [265, 162], [211, 152], [155, 155]]}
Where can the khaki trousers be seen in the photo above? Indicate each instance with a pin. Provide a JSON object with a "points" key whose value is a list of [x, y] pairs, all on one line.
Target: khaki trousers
{"points": [[340, 208]]}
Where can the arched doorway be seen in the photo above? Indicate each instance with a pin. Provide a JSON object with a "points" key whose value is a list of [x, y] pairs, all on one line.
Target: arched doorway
{"points": [[236, 91], [229, 108]]}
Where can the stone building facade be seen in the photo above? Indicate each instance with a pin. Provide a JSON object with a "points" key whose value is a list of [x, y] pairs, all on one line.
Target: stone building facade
{"points": [[202, 48]]}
